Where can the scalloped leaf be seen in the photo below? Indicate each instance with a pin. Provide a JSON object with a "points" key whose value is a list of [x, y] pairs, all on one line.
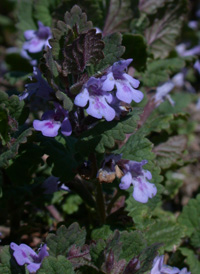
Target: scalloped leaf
{"points": [[13, 150], [118, 17], [167, 233], [52, 265], [113, 50], [105, 133], [151, 6], [171, 152], [43, 10], [190, 217], [191, 260], [85, 50], [60, 157], [77, 18], [162, 33], [158, 71], [61, 242]]}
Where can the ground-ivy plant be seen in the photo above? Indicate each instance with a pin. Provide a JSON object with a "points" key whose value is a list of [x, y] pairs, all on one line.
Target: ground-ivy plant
{"points": [[99, 137]]}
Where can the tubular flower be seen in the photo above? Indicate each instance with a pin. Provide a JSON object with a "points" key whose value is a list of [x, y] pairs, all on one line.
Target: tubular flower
{"points": [[98, 99], [37, 39], [40, 88], [52, 120], [124, 83], [25, 255], [134, 174], [160, 268]]}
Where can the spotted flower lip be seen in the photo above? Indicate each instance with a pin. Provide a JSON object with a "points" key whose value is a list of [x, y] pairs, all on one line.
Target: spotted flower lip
{"points": [[37, 39], [52, 121], [25, 255], [98, 100], [124, 83], [135, 175]]}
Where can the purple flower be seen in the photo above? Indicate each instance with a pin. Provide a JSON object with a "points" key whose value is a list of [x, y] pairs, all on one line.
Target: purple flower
{"points": [[163, 91], [98, 99], [52, 184], [40, 88], [125, 84], [137, 176], [52, 120], [160, 268], [25, 255], [37, 39]]}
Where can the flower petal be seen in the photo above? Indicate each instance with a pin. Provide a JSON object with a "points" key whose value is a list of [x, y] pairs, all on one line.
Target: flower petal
{"points": [[123, 92], [48, 128], [34, 45], [23, 253], [33, 267], [98, 108], [134, 82], [29, 34], [82, 98], [109, 83], [66, 127], [43, 252], [143, 190], [126, 181]]}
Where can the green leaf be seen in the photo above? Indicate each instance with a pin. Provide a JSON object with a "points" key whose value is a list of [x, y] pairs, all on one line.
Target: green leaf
{"points": [[136, 48], [61, 243], [97, 252], [167, 233], [151, 6], [133, 244], [105, 133], [77, 18], [8, 263], [171, 152], [25, 16], [147, 257], [190, 217], [13, 150], [191, 260], [72, 203], [101, 233], [159, 70], [57, 265], [113, 50], [13, 77], [165, 28], [83, 51], [118, 17], [43, 10], [67, 102], [60, 157]]}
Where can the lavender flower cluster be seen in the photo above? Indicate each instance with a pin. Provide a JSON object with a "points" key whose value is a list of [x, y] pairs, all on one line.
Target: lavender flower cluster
{"points": [[104, 95]]}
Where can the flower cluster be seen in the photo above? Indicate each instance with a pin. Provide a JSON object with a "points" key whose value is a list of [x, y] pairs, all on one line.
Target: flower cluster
{"points": [[130, 173], [37, 39], [25, 255], [135, 175], [105, 94], [160, 268]]}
